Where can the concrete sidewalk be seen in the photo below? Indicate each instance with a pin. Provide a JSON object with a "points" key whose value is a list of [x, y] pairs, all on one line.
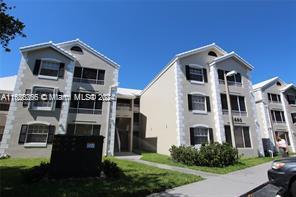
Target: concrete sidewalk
{"points": [[136, 158], [228, 185], [232, 184]]}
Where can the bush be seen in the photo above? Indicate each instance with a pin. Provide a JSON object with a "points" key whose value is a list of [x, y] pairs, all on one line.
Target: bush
{"points": [[36, 173], [4, 156], [110, 169], [212, 155]]}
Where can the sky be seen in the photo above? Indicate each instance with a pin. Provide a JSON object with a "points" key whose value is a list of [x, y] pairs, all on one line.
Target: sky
{"points": [[143, 36]]}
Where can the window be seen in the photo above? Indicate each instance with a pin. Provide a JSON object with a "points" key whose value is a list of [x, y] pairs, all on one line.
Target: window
{"points": [[232, 80], [136, 117], [201, 135], [275, 98], [85, 103], [238, 105], [212, 53], [197, 74], [293, 117], [45, 100], [4, 106], [49, 68], [89, 75], [278, 83], [123, 104], [284, 135], [291, 99], [83, 129], [199, 103], [241, 136], [37, 133], [76, 49], [278, 116], [1, 132]]}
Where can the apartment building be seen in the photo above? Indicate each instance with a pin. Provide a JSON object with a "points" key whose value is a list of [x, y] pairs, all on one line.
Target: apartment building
{"points": [[276, 109], [6, 89], [57, 70], [185, 104]]}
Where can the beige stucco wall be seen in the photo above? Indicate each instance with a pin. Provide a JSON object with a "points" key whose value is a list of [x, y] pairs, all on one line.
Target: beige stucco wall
{"points": [[158, 113]]}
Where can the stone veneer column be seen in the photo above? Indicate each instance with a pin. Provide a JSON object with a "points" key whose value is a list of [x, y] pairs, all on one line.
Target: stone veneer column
{"points": [[62, 128], [217, 106], [284, 104], [179, 104], [112, 117], [13, 107], [254, 114]]}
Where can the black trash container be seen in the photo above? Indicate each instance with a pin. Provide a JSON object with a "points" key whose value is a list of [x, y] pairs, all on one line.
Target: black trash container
{"points": [[76, 156]]}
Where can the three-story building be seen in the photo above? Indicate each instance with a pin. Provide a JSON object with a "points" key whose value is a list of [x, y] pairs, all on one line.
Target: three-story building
{"points": [[276, 109], [185, 104]]}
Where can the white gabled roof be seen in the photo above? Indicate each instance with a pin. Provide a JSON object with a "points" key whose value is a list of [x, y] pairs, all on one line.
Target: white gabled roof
{"points": [[265, 83], [92, 50], [291, 85], [181, 55], [128, 93], [48, 44], [7, 83], [230, 55]]}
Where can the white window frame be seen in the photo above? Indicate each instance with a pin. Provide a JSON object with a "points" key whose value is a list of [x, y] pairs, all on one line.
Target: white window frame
{"points": [[201, 127], [278, 98], [93, 109], [230, 83], [36, 144], [195, 111], [50, 108], [242, 132], [294, 99], [196, 66], [46, 76], [282, 117]]}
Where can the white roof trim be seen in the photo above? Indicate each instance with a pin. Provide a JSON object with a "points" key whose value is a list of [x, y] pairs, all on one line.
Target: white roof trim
{"points": [[47, 44], [128, 93], [199, 125], [181, 55], [288, 87], [203, 48], [92, 50], [263, 84], [229, 55]]}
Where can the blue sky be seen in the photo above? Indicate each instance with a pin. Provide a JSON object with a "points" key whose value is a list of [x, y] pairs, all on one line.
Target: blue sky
{"points": [[142, 36]]}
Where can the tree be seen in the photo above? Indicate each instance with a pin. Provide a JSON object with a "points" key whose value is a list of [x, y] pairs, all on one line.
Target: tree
{"points": [[10, 26]]}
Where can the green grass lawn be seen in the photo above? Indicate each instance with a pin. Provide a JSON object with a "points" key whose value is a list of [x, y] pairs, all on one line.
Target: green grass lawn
{"points": [[243, 163], [139, 180]]}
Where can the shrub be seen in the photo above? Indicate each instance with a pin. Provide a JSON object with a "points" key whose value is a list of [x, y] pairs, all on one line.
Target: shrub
{"points": [[36, 173], [4, 156], [110, 169], [184, 154], [212, 155]]}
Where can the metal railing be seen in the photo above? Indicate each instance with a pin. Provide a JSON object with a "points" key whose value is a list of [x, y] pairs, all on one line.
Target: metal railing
{"points": [[85, 111], [234, 112], [231, 83], [92, 81]]}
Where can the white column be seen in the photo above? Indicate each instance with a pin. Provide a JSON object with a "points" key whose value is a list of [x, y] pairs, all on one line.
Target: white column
{"points": [[217, 106], [66, 104], [287, 121], [179, 104]]}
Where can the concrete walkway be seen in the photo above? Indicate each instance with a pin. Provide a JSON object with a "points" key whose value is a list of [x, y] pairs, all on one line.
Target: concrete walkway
{"points": [[232, 184]]}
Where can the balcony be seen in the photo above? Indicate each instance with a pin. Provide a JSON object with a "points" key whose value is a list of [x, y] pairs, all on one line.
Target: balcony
{"points": [[123, 107], [231, 83], [85, 111], [91, 81], [234, 112]]}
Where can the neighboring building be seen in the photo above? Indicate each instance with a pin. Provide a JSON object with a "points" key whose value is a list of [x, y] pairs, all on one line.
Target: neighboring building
{"points": [[55, 70], [276, 109], [186, 103], [6, 89]]}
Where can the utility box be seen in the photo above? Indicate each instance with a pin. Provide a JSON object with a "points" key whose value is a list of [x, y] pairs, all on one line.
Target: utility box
{"points": [[76, 156]]}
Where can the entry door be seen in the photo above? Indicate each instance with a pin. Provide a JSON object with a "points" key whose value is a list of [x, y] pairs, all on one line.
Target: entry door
{"points": [[124, 140]]}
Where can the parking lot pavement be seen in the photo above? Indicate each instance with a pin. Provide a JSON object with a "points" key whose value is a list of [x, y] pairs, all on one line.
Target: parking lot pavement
{"points": [[232, 184]]}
